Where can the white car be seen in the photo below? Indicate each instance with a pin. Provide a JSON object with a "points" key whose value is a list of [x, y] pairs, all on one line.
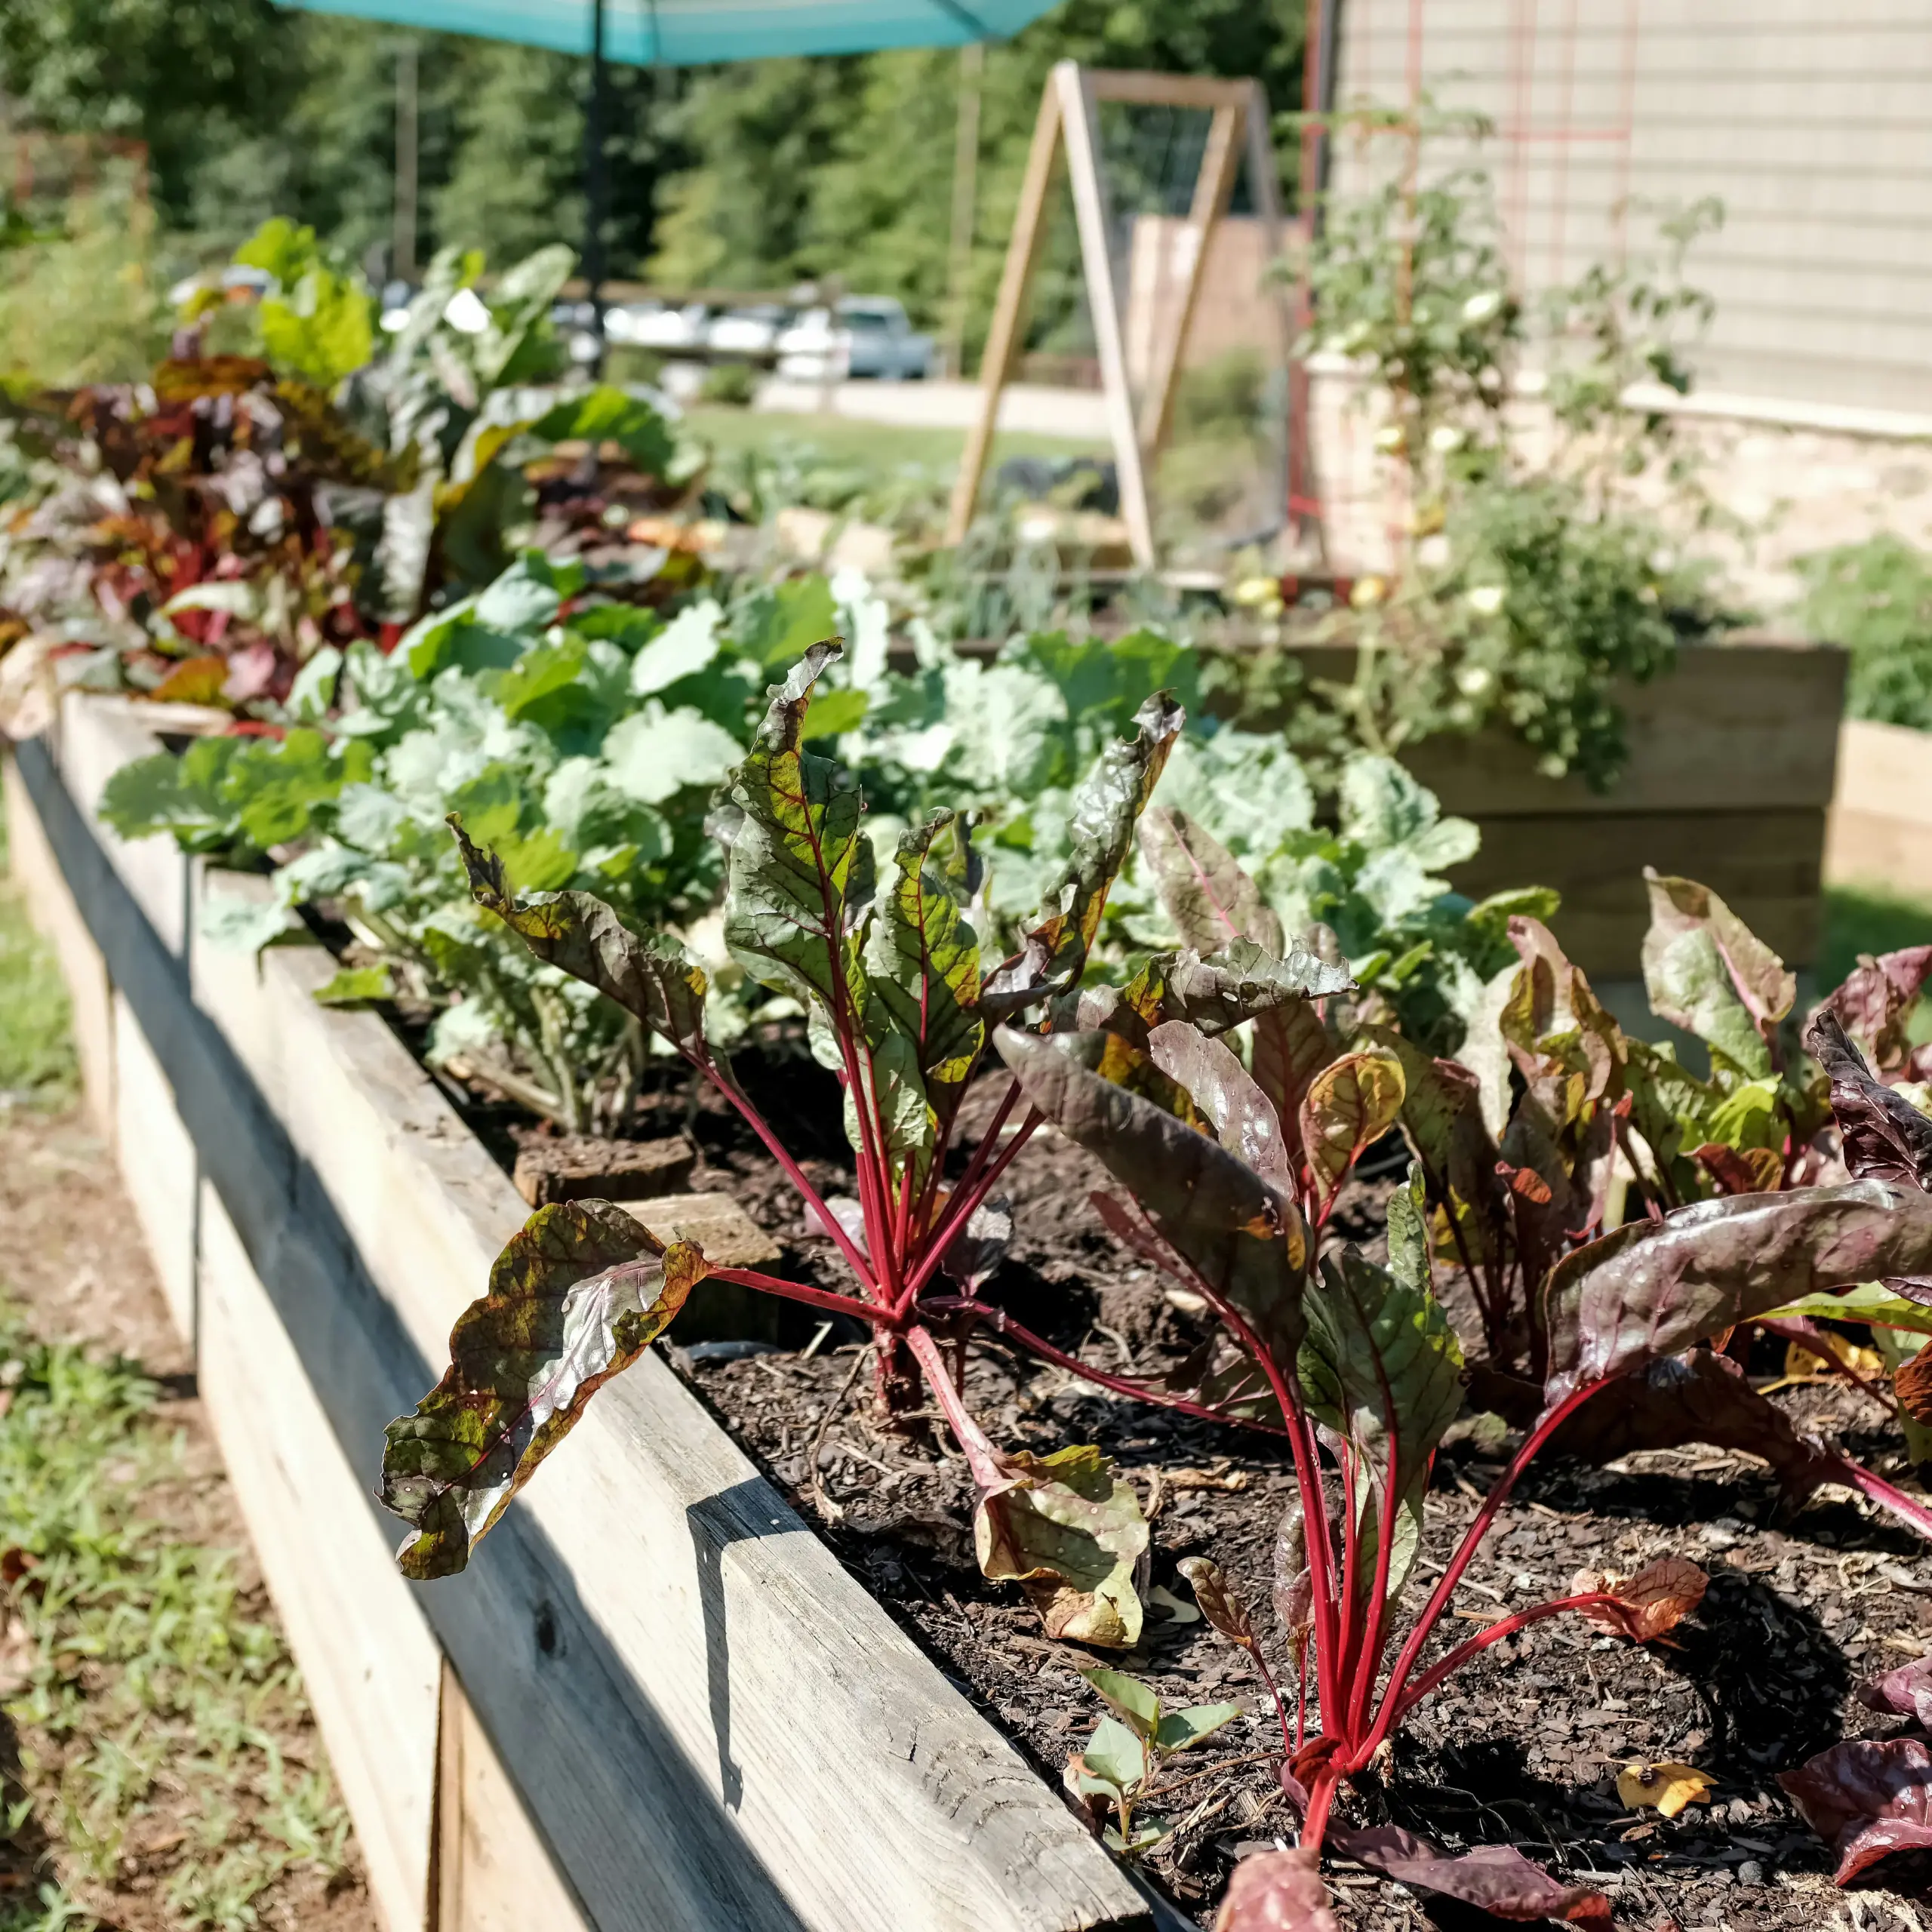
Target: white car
{"points": [[656, 325], [752, 332], [870, 337]]}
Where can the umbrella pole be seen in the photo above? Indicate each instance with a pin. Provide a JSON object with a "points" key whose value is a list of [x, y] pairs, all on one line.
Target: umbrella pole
{"points": [[595, 193]]}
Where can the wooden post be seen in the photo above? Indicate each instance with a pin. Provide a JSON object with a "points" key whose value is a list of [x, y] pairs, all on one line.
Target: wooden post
{"points": [[403, 265], [965, 203], [1078, 124], [1213, 188], [1029, 228]]}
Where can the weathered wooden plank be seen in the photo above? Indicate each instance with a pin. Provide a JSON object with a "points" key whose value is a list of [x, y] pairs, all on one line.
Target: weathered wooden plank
{"points": [[1879, 836], [1765, 865], [50, 904], [372, 1668], [157, 1164], [493, 1872]]}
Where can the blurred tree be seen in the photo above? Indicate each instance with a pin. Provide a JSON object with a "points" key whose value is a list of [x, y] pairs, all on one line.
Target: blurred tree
{"points": [[195, 79]]}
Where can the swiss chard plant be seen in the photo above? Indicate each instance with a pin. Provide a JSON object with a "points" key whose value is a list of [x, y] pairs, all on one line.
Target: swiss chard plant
{"points": [[902, 1007], [1357, 1365]]}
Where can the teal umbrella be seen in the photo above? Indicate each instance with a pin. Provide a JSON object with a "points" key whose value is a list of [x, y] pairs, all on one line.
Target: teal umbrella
{"points": [[685, 33]]}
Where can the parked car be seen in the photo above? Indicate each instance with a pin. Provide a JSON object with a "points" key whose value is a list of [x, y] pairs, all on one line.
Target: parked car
{"points": [[870, 337], [752, 332], [657, 325]]}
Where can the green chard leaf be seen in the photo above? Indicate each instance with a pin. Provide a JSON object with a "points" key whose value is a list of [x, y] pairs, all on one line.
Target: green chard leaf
{"points": [[653, 978], [1381, 1368], [922, 963], [577, 1296], [1224, 1092], [1104, 812], [801, 867], [1706, 971], [1352, 1103]]}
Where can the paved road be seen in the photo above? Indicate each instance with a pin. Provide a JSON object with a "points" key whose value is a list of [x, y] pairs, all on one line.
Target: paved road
{"points": [[1079, 414]]}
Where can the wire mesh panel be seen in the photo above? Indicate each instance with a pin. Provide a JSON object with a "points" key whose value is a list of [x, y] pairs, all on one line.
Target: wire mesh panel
{"points": [[1812, 124]]}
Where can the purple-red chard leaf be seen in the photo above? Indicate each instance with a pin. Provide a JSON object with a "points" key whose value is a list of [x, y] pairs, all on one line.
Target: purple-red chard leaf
{"points": [[1886, 1137], [1243, 1237], [1866, 1799], [1654, 1288], [1877, 1000], [1905, 1693], [1496, 1878], [922, 963], [1706, 971], [1106, 808], [1224, 1094], [1069, 1532], [1277, 1891], [1203, 886], [1699, 1396], [801, 869], [581, 1291], [652, 977]]}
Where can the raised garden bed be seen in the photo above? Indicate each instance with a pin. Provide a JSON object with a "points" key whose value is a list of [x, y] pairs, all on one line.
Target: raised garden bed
{"points": [[660, 1701], [1882, 814], [1733, 759]]}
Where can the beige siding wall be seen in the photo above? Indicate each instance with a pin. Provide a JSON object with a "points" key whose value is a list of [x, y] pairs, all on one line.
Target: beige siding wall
{"points": [[1812, 123]]}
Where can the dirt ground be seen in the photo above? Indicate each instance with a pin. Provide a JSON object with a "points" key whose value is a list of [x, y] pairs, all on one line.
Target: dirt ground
{"points": [[1521, 1748], [72, 1262]]}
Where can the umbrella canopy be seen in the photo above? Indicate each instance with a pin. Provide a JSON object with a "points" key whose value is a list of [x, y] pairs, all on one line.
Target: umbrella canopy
{"points": [[683, 33]]}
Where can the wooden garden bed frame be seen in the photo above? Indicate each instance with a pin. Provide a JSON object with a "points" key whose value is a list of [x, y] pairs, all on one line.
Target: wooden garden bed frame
{"points": [[656, 1702]]}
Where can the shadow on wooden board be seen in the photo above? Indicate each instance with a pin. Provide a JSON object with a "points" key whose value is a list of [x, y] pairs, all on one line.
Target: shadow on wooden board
{"points": [[624, 1811]]}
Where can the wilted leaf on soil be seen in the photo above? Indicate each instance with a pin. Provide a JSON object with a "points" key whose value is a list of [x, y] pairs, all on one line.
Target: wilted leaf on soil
{"points": [[1496, 1877], [1218, 1604], [1866, 1798], [1069, 1531], [580, 1292], [1277, 1891], [1658, 1598]]}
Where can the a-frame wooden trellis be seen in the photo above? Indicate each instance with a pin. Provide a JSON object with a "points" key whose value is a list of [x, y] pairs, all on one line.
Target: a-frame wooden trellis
{"points": [[1068, 125]]}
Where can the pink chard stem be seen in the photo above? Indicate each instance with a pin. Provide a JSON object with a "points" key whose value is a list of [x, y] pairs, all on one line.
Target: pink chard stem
{"points": [[981, 1457]]}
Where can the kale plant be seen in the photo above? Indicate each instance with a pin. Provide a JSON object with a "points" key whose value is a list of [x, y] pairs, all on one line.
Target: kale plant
{"points": [[1875, 599]]}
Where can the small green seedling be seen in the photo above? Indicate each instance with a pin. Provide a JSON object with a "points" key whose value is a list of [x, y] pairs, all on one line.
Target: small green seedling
{"points": [[1122, 1764]]}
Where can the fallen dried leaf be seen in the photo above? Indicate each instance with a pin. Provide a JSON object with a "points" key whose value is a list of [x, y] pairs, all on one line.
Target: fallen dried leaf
{"points": [[1905, 1692], [1665, 1789], [1655, 1599]]}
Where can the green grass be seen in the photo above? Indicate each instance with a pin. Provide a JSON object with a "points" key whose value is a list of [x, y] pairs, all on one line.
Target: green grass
{"points": [[1862, 920], [37, 1066], [153, 1707], [885, 446], [152, 1701]]}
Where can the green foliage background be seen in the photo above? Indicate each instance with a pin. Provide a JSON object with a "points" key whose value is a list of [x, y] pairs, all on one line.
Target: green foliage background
{"points": [[751, 175]]}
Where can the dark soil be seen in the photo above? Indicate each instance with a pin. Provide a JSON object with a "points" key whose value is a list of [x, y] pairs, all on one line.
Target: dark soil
{"points": [[1521, 1748]]}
